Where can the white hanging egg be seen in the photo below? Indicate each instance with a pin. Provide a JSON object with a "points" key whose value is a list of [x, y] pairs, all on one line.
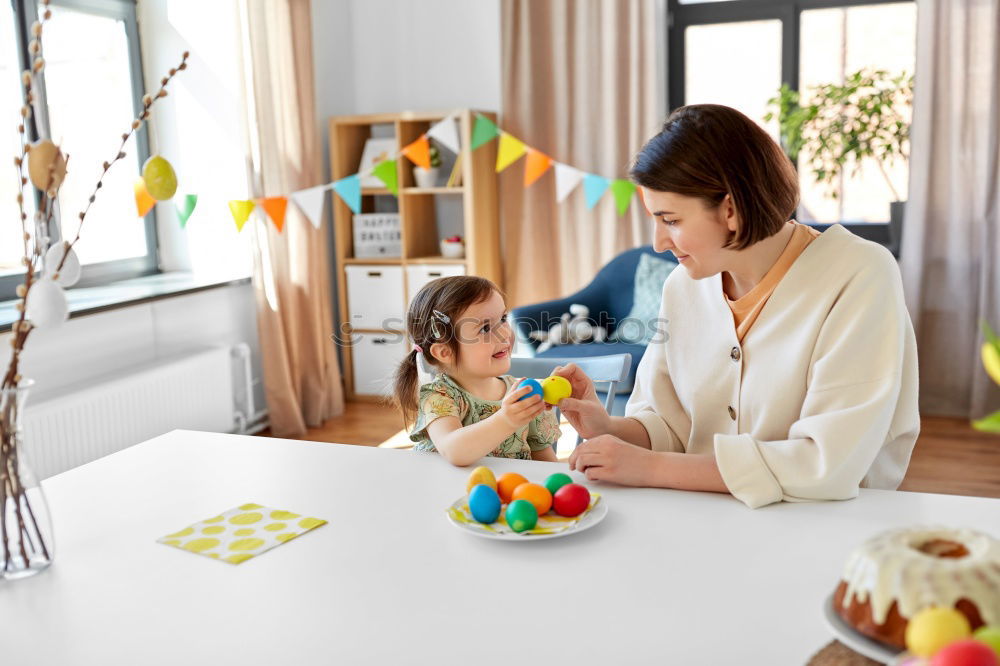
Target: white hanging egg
{"points": [[69, 274], [46, 304]]}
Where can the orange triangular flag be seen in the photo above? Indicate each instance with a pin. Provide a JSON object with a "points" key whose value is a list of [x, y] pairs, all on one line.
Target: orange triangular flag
{"points": [[275, 209], [144, 201], [537, 164], [419, 152]]}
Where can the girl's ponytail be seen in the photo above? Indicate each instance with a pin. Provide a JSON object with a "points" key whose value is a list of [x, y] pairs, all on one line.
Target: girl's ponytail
{"points": [[405, 387]]}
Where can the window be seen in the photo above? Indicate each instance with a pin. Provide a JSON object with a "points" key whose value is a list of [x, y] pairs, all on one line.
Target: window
{"points": [[738, 53], [91, 87]]}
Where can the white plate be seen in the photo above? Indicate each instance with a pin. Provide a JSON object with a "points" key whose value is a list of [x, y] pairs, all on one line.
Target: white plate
{"points": [[594, 516], [855, 640]]}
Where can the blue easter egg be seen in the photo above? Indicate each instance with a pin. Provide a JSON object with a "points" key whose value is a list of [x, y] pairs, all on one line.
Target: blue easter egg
{"points": [[484, 503], [536, 388]]}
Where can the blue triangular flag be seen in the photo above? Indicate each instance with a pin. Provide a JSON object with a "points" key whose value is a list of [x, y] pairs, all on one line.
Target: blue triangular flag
{"points": [[349, 190], [594, 188]]}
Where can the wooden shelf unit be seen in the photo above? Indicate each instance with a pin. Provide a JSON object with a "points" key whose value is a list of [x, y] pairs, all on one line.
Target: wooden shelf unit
{"points": [[417, 210]]}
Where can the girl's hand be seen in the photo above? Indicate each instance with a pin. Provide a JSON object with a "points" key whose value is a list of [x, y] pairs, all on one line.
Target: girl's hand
{"points": [[608, 458], [583, 409], [516, 412]]}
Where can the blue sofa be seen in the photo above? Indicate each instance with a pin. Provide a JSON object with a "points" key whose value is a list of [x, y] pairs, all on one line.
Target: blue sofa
{"points": [[609, 298]]}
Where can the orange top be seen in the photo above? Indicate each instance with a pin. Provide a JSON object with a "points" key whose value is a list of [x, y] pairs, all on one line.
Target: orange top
{"points": [[746, 309]]}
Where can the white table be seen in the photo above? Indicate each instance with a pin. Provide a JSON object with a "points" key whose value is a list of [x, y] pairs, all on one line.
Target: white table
{"points": [[667, 578]]}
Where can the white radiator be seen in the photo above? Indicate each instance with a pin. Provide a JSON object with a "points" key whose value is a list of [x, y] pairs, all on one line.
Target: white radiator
{"points": [[82, 424]]}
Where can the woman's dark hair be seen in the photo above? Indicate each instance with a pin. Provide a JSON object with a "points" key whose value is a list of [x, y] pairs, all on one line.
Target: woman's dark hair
{"points": [[709, 151], [433, 317]]}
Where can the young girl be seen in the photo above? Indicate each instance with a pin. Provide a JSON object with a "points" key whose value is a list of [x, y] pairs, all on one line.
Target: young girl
{"points": [[472, 408]]}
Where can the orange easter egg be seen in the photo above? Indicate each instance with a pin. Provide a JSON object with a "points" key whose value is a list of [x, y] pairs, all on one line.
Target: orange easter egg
{"points": [[506, 485], [536, 494]]}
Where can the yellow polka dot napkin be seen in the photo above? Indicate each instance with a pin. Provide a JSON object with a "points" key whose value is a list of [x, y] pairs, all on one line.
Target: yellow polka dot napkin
{"points": [[241, 533]]}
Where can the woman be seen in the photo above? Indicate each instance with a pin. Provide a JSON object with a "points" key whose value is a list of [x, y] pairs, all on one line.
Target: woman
{"points": [[787, 367]]}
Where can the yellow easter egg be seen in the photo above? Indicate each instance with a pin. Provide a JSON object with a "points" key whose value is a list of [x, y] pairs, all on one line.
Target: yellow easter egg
{"points": [[555, 388], [933, 628], [991, 361], [160, 179], [481, 475]]}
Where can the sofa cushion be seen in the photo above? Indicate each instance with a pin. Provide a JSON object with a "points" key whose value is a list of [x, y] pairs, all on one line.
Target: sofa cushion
{"points": [[601, 349], [639, 326]]}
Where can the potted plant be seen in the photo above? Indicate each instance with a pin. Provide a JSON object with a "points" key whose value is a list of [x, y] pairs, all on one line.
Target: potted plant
{"points": [[866, 117], [428, 177]]}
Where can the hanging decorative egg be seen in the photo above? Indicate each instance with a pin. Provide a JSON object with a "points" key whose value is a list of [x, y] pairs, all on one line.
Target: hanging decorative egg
{"points": [[160, 179]]}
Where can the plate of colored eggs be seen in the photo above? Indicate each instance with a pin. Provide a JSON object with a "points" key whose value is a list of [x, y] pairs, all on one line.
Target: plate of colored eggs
{"points": [[512, 507]]}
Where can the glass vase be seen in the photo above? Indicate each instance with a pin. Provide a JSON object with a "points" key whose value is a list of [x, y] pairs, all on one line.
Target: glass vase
{"points": [[26, 544]]}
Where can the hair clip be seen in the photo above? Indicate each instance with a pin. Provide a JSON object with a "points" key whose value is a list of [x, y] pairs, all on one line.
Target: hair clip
{"points": [[436, 316]]}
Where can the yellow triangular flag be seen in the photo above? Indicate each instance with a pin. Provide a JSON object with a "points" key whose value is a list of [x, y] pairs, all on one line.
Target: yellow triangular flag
{"points": [[241, 211], [509, 152]]}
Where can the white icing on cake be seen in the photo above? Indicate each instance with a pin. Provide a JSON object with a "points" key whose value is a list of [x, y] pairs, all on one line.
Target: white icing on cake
{"points": [[890, 567]]}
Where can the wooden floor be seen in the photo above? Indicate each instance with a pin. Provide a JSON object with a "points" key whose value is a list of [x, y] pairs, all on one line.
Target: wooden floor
{"points": [[950, 457]]}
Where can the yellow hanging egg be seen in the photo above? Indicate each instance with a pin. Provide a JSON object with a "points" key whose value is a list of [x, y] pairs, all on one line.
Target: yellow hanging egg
{"points": [[160, 179], [991, 361]]}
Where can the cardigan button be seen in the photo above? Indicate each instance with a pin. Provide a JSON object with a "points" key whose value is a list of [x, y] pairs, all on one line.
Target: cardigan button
{"points": [[732, 413], [735, 354]]}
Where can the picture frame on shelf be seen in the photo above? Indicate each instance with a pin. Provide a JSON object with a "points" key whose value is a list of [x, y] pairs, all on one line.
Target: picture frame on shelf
{"points": [[376, 150]]}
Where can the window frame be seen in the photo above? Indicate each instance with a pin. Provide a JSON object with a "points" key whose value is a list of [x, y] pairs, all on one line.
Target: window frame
{"points": [[789, 12], [25, 13]]}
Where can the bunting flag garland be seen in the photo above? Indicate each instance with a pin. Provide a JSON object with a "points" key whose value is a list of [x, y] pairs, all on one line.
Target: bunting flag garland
{"points": [[185, 208], [386, 172], [483, 131], [594, 188], [419, 152], [275, 209], [144, 201], [310, 202], [567, 178], [446, 133], [622, 191], [349, 190], [509, 152], [535, 166], [241, 212]]}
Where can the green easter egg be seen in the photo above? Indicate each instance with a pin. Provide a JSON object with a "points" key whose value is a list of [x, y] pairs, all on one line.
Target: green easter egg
{"points": [[521, 515], [557, 481]]}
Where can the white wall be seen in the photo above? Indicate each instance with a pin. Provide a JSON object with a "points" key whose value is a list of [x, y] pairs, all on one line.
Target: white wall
{"points": [[90, 347], [377, 56]]}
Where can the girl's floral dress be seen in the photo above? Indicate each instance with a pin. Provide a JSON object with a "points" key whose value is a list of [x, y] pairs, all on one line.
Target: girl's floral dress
{"points": [[444, 397]]}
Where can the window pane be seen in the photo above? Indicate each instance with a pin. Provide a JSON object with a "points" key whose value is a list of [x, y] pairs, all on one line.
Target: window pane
{"points": [[90, 94], [736, 64], [836, 43], [11, 243]]}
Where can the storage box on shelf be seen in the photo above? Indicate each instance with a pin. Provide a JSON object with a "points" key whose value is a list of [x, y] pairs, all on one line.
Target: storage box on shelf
{"points": [[375, 288]]}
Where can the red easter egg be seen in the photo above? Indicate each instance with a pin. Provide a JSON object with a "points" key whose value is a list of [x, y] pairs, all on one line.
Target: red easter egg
{"points": [[968, 652], [571, 500]]}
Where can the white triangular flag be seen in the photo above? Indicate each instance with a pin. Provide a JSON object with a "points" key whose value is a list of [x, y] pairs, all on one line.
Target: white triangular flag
{"points": [[310, 202], [567, 178], [446, 134]]}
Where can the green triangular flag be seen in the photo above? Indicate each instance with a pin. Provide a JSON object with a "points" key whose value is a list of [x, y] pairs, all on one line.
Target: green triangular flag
{"points": [[484, 131], [989, 424], [186, 207], [386, 172], [623, 191]]}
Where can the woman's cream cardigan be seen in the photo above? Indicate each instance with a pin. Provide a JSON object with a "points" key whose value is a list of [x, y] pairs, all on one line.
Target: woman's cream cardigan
{"points": [[819, 399]]}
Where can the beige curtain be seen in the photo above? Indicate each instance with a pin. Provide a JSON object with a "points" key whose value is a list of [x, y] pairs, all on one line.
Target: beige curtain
{"points": [[583, 82], [951, 236], [291, 271]]}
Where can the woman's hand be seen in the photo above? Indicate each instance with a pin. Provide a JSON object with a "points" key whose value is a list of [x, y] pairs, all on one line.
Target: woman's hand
{"points": [[516, 412], [608, 458], [582, 409]]}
